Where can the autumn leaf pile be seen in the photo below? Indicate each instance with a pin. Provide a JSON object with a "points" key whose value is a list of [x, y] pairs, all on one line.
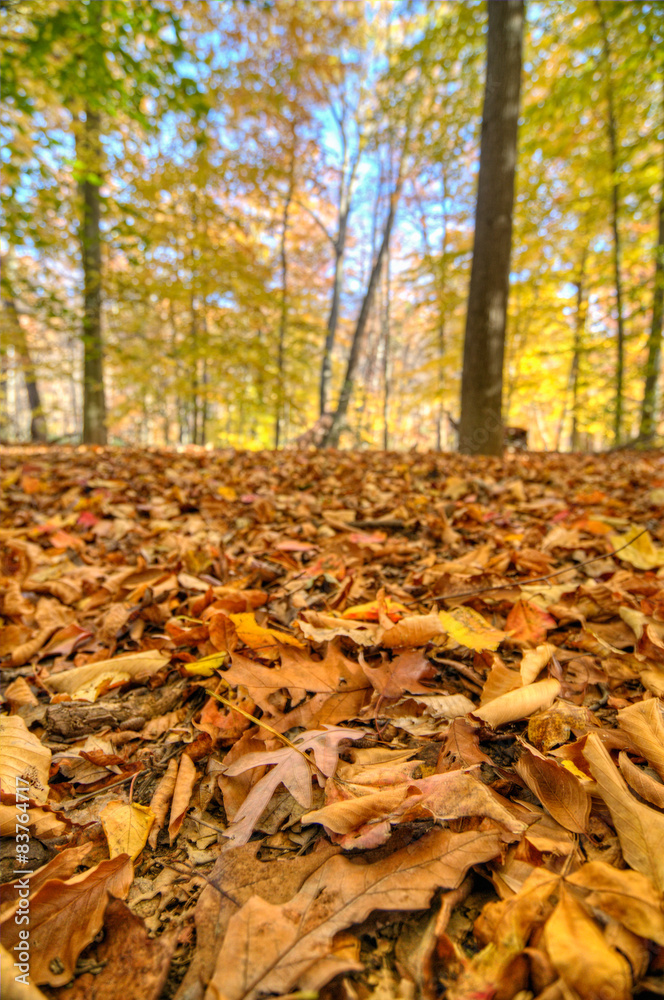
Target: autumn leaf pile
{"points": [[336, 724]]}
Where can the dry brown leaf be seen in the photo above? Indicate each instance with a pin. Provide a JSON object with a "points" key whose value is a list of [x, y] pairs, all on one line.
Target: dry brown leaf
{"points": [[559, 791], [66, 916], [86, 683], [415, 630], [581, 956], [128, 960], [643, 783], [162, 799], [42, 823], [184, 785], [643, 722], [24, 762], [12, 987], [62, 866], [268, 948], [534, 661], [627, 896], [639, 828], [293, 769], [519, 704], [19, 693], [241, 875]]}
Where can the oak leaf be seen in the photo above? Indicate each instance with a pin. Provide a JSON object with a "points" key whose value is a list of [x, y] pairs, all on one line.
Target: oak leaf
{"points": [[268, 948], [291, 769]]}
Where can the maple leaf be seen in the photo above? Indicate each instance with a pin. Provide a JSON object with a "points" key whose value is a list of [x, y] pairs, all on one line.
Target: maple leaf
{"points": [[290, 769]]}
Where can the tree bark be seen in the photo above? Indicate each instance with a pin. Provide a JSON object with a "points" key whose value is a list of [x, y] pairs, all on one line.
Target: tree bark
{"points": [[386, 353], [38, 431], [653, 364], [345, 197], [612, 132], [332, 437], [88, 152], [480, 430], [283, 312], [579, 327]]}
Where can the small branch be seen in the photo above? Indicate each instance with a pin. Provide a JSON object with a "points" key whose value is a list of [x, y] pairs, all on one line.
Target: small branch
{"points": [[318, 222]]}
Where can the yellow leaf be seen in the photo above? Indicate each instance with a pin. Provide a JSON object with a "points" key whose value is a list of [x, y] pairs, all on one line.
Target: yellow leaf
{"points": [[470, 629], [581, 956], [207, 665], [369, 612], [519, 704], [256, 636], [227, 492], [641, 552], [570, 766], [126, 826]]}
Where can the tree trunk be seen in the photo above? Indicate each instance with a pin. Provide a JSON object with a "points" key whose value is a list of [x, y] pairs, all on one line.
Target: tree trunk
{"points": [[345, 195], [283, 313], [17, 336], [332, 437], [88, 152], [612, 132], [579, 327], [480, 429], [386, 353], [653, 364]]}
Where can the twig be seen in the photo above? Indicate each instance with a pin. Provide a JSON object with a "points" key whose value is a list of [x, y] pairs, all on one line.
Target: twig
{"points": [[527, 583], [84, 798]]}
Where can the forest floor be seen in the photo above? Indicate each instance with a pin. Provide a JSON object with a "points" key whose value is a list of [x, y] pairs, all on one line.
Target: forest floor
{"points": [[445, 773]]}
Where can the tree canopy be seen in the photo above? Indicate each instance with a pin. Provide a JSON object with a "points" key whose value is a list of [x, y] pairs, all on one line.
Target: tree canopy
{"points": [[224, 220]]}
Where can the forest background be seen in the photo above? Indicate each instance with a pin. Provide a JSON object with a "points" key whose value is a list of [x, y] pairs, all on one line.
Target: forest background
{"points": [[200, 198]]}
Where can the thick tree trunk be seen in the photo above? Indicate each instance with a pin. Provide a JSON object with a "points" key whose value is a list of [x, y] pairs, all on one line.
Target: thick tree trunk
{"points": [[88, 152], [38, 431], [653, 364], [480, 429]]}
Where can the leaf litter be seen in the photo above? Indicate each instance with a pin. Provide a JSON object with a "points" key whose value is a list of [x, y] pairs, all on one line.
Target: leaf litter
{"points": [[334, 724]]}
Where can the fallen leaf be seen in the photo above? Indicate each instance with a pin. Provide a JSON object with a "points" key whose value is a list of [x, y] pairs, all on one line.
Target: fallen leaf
{"points": [[126, 956], [126, 825], [637, 549], [559, 791], [581, 956], [66, 916], [643, 723], [639, 828], [624, 895], [528, 623], [24, 762], [519, 704], [87, 683], [470, 629], [268, 948]]}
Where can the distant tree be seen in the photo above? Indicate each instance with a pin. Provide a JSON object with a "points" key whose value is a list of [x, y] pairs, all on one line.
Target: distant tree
{"points": [[480, 430], [99, 61]]}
